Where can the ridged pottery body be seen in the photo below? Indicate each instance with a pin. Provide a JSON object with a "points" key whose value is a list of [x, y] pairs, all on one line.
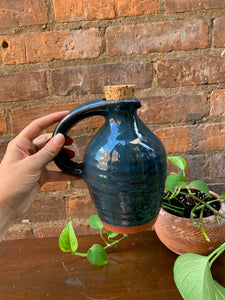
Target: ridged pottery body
{"points": [[181, 236], [124, 165]]}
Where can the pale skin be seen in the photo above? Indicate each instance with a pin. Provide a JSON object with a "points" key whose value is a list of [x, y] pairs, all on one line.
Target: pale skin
{"points": [[23, 169]]}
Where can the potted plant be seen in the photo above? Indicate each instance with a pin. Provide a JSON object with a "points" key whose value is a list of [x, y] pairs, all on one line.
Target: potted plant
{"points": [[192, 218]]}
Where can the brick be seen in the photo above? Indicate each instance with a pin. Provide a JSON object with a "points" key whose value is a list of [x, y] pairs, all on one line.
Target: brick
{"points": [[219, 32], [127, 8], [217, 105], [55, 185], [218, 188], [92, 78], [194, 5], [79, 184], [20, 117], [190, 71], [13, 50], [82, 206], [47, 209], [3, 146], [46, 46], [49, 231], [21, 13], [175, 139], [173, 109], [19, 233], [182, 139], [3, 125], [22, 86], [196, 167], [72, 11], [83, 10], [211, 137], [217, 166], [156, 37]]}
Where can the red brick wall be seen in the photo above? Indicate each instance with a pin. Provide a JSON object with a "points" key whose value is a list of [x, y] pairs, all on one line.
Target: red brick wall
{"points": [[56, 54]]}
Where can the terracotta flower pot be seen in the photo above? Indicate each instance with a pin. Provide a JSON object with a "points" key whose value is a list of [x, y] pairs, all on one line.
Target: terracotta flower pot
{"points": [[181, 236]]}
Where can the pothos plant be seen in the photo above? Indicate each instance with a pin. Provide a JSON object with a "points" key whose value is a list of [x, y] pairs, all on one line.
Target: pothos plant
{"points": [[96, 254], [192, 272], [193, 276], [191, 199]]}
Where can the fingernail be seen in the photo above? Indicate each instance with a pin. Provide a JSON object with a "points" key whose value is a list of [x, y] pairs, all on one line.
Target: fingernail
{"points": [[59, 139]]}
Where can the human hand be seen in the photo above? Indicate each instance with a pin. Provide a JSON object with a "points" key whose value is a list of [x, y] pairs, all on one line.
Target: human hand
{"points": [[23, 169]]}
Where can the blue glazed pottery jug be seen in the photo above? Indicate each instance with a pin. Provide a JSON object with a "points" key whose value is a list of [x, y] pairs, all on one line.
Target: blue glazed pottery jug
{"points": [[124, 165]]}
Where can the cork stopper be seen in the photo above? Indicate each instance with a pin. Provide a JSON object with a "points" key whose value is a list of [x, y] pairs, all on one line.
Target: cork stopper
{"points": [[119, 92]]}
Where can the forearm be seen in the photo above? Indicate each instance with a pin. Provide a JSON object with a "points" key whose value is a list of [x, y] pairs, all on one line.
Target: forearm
{"points": [[6, 219]]}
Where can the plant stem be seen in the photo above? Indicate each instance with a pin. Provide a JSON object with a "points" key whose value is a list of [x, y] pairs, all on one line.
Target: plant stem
{"points": [[80, 254], [175, 193], [192, 215], [198, 206], [101, 235], [201, 226], [117, 241], [216, 212], [215, 254], [171, 207]]}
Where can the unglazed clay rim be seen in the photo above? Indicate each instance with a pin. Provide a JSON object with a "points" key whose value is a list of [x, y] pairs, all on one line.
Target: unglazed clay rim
{"points": [[129, 230]]}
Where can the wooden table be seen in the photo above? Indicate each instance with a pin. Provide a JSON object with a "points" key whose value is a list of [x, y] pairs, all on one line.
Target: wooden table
{"points": [[140, 267]]}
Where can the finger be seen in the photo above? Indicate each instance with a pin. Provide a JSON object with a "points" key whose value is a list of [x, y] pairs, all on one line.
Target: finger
{"points": [[37, 126], [42, 140], [60, 176], [48, 152]]}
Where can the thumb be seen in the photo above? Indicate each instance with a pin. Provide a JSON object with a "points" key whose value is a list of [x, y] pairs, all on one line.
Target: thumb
{"points": [[49, 151]]}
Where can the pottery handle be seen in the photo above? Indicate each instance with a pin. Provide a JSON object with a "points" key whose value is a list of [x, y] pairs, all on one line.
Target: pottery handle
{"points": [[88, 109]]}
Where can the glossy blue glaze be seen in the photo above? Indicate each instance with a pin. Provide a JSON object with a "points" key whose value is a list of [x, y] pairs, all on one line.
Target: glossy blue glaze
{"points": [[124, 165]]}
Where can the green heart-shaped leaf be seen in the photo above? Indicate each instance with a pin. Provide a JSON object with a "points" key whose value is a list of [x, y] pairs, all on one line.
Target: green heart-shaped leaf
{"points": [[193, 277], [95, 222], [67, 240], [111, 234], [178, 161], [175, 180], [200, 185], [219, 291], [97, 255]]}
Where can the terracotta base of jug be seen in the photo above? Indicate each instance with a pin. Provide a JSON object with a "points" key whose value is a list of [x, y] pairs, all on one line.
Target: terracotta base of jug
{"points": [[129, 230]]}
